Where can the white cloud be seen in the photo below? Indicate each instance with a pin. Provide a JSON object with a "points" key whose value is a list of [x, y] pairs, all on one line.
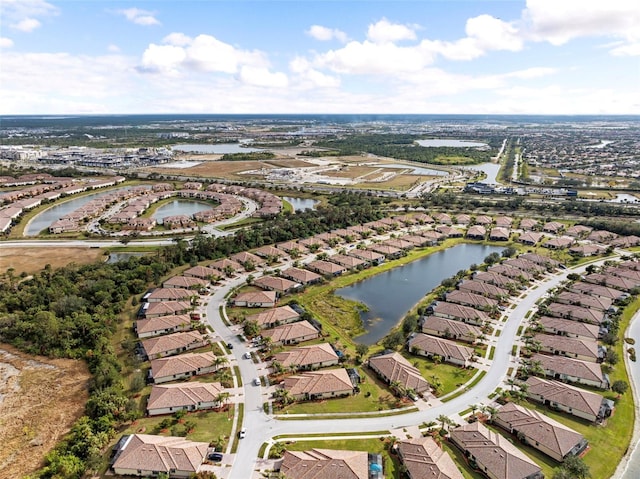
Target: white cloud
{"points": [[262, 77], [308, 77], [533, 72], [629, 50], [26, 25], [177, 39], [384, 31], [6, 42], [139, 16], [491, 33], [325, 34], [113, 48], [162, 58], [559, 22]]}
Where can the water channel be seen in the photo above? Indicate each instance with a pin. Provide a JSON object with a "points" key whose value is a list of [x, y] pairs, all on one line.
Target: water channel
{"points": [[441, 142], [179, 207], [390, 295], [43, 220], [301, 204], [219, 148]]}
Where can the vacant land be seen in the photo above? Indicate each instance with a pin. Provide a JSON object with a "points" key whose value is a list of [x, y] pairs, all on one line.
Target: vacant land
{"points": [[31, 260], [40, 399]]}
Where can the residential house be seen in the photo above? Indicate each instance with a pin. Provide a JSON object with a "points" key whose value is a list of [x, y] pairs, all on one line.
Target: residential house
{"points": [[227, 265], [313, 385], [165, 308], [423, 458], [158, 295], [203, 272], [584, 300], [495, 279], [578, 231], [450, 329], [553, 227], [598, 291], [146, 328], [370, 257], [182, 366], [293, 247], [540, 432], [572, 370], [325, 464], [148, 455], [511, 272], [444, 230], [175, 343], [189, 396], [483, 220], [611, 281], [526, 265], [275, 317], [586, 250], [572, 400], [308, 357], [530, 238], [601, 236], [473, 300], [276, 283], [458, 312], [561, 242], [504, 221], [450, 351], [499, 234], [302, 276], [577, 313], [540, 260], [493, 454], [399, 243], [434, 236], [569, 328], [625, 241], [389, 252], [478, 232], [463, 219], [576, 348], [256, 299], [247, 259], [484, 289], [292, 333], [349, 262], [326, 268], [393, 367], [270, 252], [185, 282], [528, 224]]}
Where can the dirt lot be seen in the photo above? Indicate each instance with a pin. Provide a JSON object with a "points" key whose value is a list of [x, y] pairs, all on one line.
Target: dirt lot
{"points": [[40, 399], [31, 260]]}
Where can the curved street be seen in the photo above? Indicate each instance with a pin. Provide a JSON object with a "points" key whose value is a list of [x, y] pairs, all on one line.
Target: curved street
{"points": [[261, 427]]}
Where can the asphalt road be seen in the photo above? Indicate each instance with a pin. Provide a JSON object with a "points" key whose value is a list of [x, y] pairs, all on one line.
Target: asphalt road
{"points": [[261, 427]]}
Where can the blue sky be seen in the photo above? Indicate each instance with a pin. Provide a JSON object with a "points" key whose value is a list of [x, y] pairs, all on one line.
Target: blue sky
{"points": [[307, 56]]}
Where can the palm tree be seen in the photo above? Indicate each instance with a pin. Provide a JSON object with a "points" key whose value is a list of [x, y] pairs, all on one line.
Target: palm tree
{"points": [[219, 361], [435, 382]]}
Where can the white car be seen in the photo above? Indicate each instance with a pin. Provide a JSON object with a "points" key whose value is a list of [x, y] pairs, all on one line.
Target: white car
{"points": [[247, 355], [243, 433], [256, 381]]}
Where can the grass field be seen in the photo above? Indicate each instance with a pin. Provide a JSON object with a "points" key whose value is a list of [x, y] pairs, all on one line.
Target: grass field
{"points": [[451, 377], [31, 260], [216, 169], [399, 182]]}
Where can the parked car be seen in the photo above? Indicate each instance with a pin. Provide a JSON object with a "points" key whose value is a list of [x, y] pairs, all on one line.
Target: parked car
{"points": [[256, 381], [229, 345], [247, 355], [215, 457], [243, 433]]}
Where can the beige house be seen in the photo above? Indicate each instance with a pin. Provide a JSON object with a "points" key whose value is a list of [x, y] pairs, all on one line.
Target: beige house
{"points": [[292, 333], [275, 317], [185, 282], [450, 329], [577, 313], [182, 366], [493, 454], [191, 396], [583, 349], [540, 432], [326, 268], [146, 328], [170, 344], [472, 300], [301, 276], [572, 370], [147, 455], [569, 328], [572, 400], [458, 312], [325, 464], [484, 289], [393, 367], [313, 385], [164, 308], [349, 262], [308, 357], [370, 257], [450, 351], [277, 284], [169, 294], [424, 459], [256, 299], [245, 259]]}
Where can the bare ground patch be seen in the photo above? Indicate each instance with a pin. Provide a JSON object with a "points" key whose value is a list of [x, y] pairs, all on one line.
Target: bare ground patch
{"points": [[31, 260], [40, 399]]}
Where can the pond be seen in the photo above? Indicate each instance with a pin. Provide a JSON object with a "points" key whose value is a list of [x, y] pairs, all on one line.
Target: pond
{"points": [[220, 148], [43, 220], [440, 142], [489, 169], [123, 256], [179, 207], [390, 295], [301, 204]]}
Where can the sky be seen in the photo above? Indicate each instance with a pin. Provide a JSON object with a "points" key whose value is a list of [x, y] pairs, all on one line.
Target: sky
{"points": [[331, 56]]}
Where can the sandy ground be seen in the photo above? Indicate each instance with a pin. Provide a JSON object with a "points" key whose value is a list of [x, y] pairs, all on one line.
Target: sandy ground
{"points": [[40, 399], [31, 260]]}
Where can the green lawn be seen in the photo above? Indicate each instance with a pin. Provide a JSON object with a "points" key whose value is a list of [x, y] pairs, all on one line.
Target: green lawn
{"points": [[375, 445], [451, 377], [379, 399]]}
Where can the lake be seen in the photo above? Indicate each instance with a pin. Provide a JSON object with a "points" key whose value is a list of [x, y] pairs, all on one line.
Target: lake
{"points": [[489, 169], [440, 142], [43, 220], [179, 207], [390, 295], [301, 204], [220, 148]]}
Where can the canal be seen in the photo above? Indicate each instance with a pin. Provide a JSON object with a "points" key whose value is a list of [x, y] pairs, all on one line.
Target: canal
{"points": [[390, 295]]}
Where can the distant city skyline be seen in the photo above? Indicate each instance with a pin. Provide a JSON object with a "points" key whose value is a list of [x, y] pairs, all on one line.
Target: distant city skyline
{"points": [[352, 56]]}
